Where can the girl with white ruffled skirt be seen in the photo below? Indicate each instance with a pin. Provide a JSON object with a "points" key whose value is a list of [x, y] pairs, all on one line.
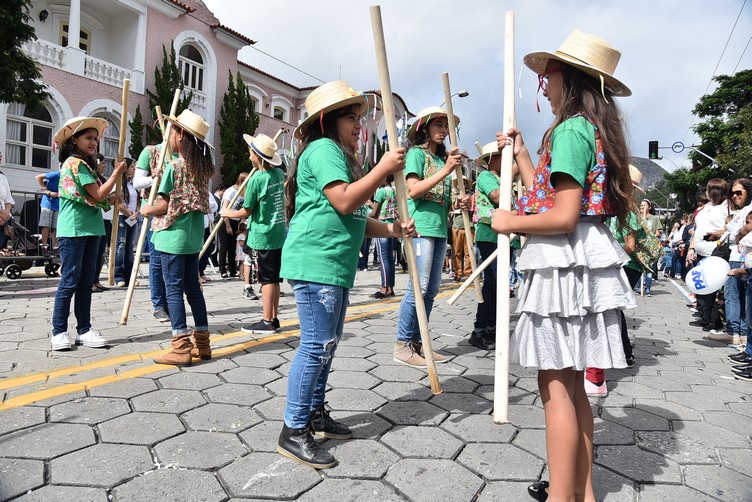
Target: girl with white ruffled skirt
{"points": [[574, 286]]}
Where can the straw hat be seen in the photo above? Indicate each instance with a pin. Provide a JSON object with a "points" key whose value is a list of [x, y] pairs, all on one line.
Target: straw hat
{"points": [[636, 176], [328, 97], [587, 53], [193, 123], [488, 150], [264, 147], [79, 124], [426, 115]]}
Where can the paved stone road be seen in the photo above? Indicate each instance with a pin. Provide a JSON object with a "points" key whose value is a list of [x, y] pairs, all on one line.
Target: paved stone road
{"points": [[110, 425]]}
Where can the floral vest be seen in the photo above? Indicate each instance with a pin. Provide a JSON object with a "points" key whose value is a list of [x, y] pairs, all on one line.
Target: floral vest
{"points": [[439, 193], [541, 197], [70, 186], [154, 151], [484, 208], [184, 198], [389, 206]]}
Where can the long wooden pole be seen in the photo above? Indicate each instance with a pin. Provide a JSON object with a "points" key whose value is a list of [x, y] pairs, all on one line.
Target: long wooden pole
{"points": [[501, 369], [401, 188], [152, 198], [476, 273], [241, 189], [461, 187], [118, 184]]}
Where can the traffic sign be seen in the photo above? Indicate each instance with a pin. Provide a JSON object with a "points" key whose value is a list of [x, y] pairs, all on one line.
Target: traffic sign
{"points": [[677, 147]]}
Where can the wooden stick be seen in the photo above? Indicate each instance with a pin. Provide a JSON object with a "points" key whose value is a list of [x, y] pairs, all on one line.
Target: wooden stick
{"points": [[152, 197], [401, 188], [241, 189], [461, 187], [118, 184], [471, 279], [501, 370]]}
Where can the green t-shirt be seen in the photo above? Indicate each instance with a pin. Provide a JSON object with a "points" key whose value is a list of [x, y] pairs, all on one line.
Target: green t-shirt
{"points": [[144, 159], [573, 149], [486, 184], [430, 217], [387, 197], [322, 245], [265, 197], [619, 232], [77, 219], [186, 234]]}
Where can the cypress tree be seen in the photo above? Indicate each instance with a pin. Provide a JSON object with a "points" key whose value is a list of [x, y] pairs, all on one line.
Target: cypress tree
{"points": [[236, 117]]}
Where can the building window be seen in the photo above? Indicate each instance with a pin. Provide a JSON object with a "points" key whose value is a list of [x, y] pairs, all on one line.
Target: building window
{"points": [[84, 42], [254, 104], [191, 67], [28, 137], [279, 113], [108, 144]]}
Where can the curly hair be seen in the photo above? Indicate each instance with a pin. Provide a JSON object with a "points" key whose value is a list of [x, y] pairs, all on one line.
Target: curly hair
{"points": [[582, 96], [328, 129]]}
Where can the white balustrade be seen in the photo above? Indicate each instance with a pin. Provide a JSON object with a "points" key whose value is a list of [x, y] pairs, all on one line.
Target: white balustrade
{"points": [[103, 71], [46, 52]]}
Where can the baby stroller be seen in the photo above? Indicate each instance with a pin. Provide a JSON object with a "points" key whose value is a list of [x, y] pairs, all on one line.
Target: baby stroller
{"points": [[22, 251]]}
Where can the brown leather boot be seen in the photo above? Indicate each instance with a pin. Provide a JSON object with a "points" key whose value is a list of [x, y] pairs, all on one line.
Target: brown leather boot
{"points": [[201, 348], [180, 355]]}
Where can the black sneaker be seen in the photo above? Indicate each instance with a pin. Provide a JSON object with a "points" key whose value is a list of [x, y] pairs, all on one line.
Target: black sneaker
{"points": [[249, 294], [261, 327], [299, 445], [740, 358], [161, 316], [322, 425], [275, 323], [745, 366], [488, 339], [747, 375], [698, 322], [630, 362], [476, 337]]}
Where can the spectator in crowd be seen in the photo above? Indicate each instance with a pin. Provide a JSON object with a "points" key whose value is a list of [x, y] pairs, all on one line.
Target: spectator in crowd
{"points": [[385, 209], [6, 205], [210, 219], [104, 241], [50, 205], [653, 224], [127, 220], [227, 236], [461, 259]]}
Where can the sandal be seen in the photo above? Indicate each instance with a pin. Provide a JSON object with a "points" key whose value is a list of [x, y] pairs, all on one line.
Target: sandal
{"points": [[538, 491], [379, 295]]}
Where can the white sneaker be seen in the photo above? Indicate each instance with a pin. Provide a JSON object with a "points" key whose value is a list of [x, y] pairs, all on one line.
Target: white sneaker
{"points": [[720, 337], [91, 339], [593, 390], [60, 341]]}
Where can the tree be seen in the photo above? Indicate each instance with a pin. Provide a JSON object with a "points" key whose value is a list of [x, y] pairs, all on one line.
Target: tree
{"points": [[19, 80], [236, 117], [725, 134], [136, 127], [166, 80]]}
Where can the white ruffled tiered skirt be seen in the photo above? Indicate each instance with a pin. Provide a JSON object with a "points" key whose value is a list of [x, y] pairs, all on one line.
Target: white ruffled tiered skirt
{"points": [[569, 302]]}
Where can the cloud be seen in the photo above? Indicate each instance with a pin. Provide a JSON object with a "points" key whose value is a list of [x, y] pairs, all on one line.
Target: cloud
{"points": [[669, 51]]}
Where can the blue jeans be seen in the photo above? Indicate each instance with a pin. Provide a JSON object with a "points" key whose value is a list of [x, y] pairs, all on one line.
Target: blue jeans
{"points": [[748, 311], [485, 316], [430, 253], [733, 291], [321, 311], [124, 255], [103, 243], [78, 268], [180, 272], [677, 262], [386, 250], [156, 279]]}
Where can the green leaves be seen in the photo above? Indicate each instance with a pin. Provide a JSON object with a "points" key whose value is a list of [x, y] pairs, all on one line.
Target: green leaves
{"points": [[236, 117]]}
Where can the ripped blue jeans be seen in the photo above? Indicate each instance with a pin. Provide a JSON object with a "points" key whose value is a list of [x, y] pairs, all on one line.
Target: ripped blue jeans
{"points": [[321, 310]]}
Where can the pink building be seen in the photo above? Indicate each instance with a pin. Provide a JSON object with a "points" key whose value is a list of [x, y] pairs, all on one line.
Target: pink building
{"points": [[121, 39]]}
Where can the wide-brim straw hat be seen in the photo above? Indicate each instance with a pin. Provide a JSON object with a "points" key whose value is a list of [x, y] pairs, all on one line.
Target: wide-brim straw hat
{"points": [[328, 97], [589, 54], [425, 116], [488, 150], [79, 124], [264, 147], [636, 177], [192, 123]]}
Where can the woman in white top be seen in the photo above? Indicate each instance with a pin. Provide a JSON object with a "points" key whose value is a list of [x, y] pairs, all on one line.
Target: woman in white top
{"points": [[104, 241], [127, 220], [710, 224], [227, 265]]}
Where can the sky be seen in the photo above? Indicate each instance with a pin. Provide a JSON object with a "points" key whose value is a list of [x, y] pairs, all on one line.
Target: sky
{"points": [[670, 50]]}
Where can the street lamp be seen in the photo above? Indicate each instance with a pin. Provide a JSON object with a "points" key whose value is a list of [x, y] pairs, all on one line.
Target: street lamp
{"points": [[463, 94]]}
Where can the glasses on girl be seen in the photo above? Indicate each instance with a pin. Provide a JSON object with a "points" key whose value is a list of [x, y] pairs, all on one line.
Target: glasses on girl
{"points": [[543, 79]]}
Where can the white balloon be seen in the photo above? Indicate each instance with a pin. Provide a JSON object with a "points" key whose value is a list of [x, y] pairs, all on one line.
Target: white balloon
{"points": [[708, 276]]}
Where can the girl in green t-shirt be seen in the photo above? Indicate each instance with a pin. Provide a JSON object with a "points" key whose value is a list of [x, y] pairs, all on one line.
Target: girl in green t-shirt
{"points": [[79, 227], [178, 234], [428, 170], [326, 196]]}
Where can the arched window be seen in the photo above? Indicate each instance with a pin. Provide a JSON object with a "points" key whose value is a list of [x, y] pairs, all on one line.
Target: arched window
{"points": [[279, 113], [28, 136], [191, 67], [108, 144]]}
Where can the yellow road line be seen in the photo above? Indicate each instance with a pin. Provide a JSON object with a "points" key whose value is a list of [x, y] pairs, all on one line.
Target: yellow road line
{"points": [[41, 395]]}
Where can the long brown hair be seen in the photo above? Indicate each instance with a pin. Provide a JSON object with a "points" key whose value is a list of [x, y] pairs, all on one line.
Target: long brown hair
{"points": [[327, 129], [422, 138], [581, 95], [69, 149], [198, 159]]}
